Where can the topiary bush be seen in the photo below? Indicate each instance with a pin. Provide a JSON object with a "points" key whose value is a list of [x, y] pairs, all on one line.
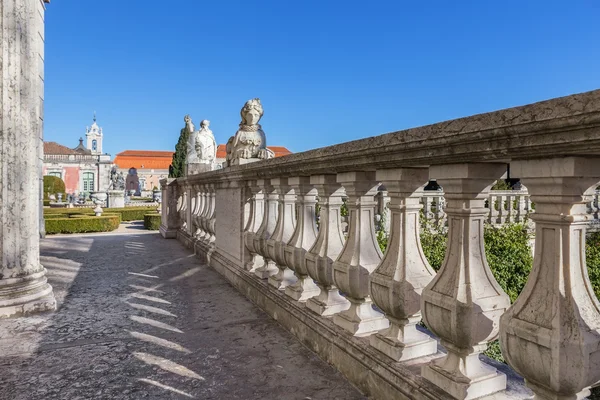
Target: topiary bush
{"points": [[53, 185], [82, 224], [152, 221]]}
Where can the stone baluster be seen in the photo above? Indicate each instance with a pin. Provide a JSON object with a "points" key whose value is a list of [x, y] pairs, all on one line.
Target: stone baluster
{"points": [[286, 223], [205, 212], [359, 257], [551, 334], [501, 209], [463, 303], [189, 212], [521, 212], [255, 217], [211, 223], [427, 213], [439, 209], [267, 227], [328, 245], [304, 236], [510, 213], [397, 283], [493, 212], [197, 211], [181, 208]]}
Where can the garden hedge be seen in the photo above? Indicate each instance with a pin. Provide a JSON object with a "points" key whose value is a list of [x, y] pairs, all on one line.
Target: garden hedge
{"points": [[54, 185], [82, 223], [152, 221], [127, 213]]}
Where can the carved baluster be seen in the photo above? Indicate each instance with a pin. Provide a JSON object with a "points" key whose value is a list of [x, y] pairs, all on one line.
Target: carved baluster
{"points": [[319, 259], [427, 207], [197, 210], [286, 223], [182, 207], [521, 204], [397, 283], [510, 213], [493, 213], [205, 215], [256, 214], [463, 303], [359, 257], [211, 216], [302, 239], [266, 229], [551, 334]]}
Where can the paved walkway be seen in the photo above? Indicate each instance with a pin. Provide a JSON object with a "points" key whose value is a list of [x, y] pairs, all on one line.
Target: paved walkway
{"points": [[139, 318]]}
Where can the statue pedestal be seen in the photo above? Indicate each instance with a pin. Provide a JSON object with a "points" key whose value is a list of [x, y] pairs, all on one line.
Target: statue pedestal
{"points": [[196, 168], [242, 161], [116, 199]]}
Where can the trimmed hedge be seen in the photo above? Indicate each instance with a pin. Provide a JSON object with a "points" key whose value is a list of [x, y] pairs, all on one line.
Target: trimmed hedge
{"points": [[82, 224], [152, 222], [126, 213], [54, 185]]}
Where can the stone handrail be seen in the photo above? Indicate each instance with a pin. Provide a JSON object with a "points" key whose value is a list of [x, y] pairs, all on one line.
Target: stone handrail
{"points": [[255, 223]]}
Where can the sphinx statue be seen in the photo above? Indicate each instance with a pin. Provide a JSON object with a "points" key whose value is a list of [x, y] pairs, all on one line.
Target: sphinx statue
{"points": [[249, 143]]}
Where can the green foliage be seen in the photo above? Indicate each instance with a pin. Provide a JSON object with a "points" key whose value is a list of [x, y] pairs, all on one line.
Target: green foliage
{"points": [[592, 256], [433, 241], [509, 256], [382, 240], [344, 209], [82, 223], [180, 155], [501, 185], [53, 185], [152, 221], [126, 213], [46, 203]]}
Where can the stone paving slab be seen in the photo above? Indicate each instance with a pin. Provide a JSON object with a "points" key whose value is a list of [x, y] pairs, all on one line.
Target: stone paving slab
{"points": [[140, 318]]}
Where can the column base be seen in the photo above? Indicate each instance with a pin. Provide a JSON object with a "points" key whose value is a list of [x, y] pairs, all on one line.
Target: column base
{"points": [[329, 302], [269, 268], [30, 294], [168, 233], [254, 263], [542, 393], [464, 388], [282, 279], [303, 289], [360, 319], [400, 351]]}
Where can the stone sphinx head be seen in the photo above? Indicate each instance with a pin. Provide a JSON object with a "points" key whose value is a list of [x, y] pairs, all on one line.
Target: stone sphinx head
{"points": [[252, 112]]}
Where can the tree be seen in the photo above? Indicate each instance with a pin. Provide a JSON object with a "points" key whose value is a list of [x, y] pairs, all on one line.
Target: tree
{"points": [[176, 170]]}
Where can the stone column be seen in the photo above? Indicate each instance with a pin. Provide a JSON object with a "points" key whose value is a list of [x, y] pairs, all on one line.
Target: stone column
{"points": [[286, 223], [169, 219], [212, 221], [23, 285], [319, 258], [463, 303], [204, 214], [359, 257], [267, 227], [198, 212], [303, 238], [256, 213], [397, 283], [551, 334]]}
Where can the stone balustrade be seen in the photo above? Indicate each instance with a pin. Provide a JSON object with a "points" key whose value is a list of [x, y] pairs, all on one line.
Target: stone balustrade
{"points": [[360, 309]]}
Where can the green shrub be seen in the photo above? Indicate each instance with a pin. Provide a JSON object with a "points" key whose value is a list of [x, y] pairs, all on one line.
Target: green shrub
{"points": [[82, 224], [53, 185], [592, 256], [46, 203], [126, 213], [152, 222]]}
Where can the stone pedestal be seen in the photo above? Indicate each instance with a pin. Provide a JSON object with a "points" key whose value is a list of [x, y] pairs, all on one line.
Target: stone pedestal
{"points": [[242, 161], [169, 220], [23, 284], [196, 168], [116, 199]]}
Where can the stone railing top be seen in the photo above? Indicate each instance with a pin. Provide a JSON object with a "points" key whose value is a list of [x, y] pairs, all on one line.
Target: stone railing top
{"points": [[562, 126]]}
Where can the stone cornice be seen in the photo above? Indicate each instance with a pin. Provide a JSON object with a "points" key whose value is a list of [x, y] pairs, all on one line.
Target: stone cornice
{"points": [[563, 126]]}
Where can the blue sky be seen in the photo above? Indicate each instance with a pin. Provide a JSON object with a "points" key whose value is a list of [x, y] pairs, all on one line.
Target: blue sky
{"points": [[326, 71]]}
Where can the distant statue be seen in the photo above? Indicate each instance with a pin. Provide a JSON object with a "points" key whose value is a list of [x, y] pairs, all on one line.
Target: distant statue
{"points": [[117, 180], [205, 144], [191, 156], [249, 141]]}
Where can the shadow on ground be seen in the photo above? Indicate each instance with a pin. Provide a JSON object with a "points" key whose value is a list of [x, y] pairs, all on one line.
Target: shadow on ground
{"points": [[138, 317]]}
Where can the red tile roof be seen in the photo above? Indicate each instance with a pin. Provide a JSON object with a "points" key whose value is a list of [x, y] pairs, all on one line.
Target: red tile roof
{"points": [[55, 148], [144, 159], [278, 150]]}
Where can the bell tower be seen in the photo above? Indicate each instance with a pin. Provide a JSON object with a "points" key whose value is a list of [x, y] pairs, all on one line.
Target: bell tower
{"points": [[94, 137]]}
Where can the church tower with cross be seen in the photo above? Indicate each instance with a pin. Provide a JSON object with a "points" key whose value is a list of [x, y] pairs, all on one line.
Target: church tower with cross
{"points": [[94, 138]]}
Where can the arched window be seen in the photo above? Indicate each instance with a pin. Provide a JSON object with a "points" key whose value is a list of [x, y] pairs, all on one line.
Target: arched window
{"points": [[88, 182], [94, 145]]}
